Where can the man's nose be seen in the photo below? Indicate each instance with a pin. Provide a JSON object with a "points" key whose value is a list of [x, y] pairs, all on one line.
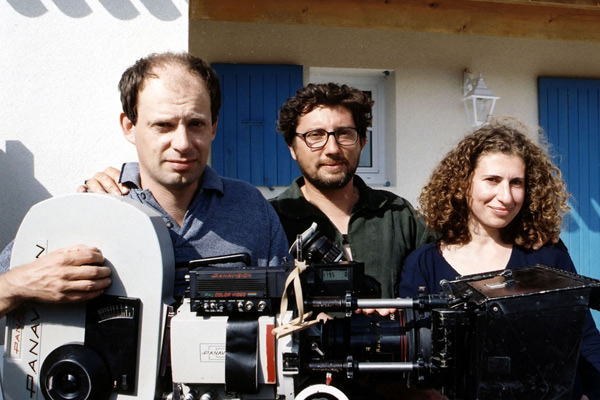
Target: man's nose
{"points": [[181, 140], [332, 145]]}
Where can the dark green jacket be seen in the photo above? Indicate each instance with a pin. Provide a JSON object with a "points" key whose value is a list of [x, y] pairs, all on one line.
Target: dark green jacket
{"points": [[383, 229]]}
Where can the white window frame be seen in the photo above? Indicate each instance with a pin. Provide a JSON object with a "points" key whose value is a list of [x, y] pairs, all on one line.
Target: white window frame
{"points": [[374, 81]]}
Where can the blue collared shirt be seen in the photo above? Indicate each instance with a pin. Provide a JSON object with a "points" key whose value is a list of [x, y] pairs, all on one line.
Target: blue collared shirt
{"points": [[226, 216]]}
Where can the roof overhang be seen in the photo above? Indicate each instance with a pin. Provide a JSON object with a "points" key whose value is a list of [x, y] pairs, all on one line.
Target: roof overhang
{"points": [[577, 20]]}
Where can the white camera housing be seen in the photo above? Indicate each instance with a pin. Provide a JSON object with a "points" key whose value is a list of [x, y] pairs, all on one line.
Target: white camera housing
{"points": [[136, 245]]}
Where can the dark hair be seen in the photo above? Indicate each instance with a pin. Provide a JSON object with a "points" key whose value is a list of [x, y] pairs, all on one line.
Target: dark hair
{"points": [[324, 94], [132, 80], [443, 200]]}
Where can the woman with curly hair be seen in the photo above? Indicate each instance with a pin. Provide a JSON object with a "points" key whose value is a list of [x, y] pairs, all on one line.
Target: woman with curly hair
{"points": [[491, 199]]}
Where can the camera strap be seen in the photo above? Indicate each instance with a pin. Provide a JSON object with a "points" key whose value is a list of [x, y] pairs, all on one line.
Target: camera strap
{"points": [[301, 322]]}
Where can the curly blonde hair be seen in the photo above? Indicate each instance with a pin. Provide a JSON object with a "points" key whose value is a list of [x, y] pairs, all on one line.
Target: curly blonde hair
{"points": [[443, 200]]}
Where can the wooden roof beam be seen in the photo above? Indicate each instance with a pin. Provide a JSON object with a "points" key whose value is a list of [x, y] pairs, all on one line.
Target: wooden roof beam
{"points": [[577, 20]]}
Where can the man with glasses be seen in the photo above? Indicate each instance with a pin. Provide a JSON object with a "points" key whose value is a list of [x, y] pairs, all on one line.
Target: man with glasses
{"points": [[325, 127]]}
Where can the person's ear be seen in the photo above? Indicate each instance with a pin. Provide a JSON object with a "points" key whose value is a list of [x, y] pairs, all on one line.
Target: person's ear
{"points": [[363, 142], [293, 152], [214, 129], [128, 128]]}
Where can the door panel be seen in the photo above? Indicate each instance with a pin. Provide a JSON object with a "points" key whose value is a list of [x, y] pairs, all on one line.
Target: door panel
{"points": [[569, 114], [247, 145]]}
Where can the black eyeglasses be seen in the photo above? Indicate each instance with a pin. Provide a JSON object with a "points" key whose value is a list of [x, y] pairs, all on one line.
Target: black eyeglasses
{"points": [[318, 138]]}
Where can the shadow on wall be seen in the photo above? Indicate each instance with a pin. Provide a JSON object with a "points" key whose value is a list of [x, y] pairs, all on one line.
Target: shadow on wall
{"points": [[164, 10], [19, 189]]}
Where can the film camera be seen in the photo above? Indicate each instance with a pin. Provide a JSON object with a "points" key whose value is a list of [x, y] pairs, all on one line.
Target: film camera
{"points": [[501, 335], [511, 334]]}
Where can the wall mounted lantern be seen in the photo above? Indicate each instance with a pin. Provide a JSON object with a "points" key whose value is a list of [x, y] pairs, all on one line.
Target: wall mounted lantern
{"points": [[478, 99]]}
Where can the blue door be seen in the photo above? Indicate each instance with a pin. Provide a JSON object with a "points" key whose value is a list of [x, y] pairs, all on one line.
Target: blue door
{"points": [[247, 145], [569, 112]]}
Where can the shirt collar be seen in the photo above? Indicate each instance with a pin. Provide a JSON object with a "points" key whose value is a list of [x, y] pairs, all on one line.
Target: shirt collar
{"points": [[212, 180], [130, 175]]}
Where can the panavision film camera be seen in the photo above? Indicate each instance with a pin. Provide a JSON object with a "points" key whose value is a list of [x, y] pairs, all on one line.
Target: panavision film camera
{"points": [[287, 332]]}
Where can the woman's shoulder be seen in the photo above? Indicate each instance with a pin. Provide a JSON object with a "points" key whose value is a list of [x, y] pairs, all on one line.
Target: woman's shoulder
{"points": [[551, 255], [425, 250], [420, 270]]}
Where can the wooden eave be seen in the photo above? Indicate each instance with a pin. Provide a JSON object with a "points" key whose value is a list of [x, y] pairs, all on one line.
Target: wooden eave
{"points": [[577, 20]]}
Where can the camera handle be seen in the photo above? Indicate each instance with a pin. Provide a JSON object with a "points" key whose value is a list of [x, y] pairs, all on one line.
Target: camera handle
{"points": [[230, 258]]}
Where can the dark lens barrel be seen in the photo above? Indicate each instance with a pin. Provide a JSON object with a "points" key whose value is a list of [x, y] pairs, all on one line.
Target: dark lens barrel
{"points": [[322, 250], [366, 337]]}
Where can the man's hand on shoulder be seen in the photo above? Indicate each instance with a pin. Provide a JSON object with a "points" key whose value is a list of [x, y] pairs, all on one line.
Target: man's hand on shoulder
{"points": [[104, 182], [65, 275]]}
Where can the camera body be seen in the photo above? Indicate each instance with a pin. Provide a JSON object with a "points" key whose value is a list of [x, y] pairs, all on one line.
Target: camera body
{"points": [[217, 356], [502, 335]]}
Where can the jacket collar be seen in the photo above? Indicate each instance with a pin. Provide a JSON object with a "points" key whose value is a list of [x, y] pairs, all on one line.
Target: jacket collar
{"points": [[368, 198]]}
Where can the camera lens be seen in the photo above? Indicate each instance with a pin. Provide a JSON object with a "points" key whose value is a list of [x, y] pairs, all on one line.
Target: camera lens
{"points": [[74, 372], [67, 381], [366, 337], [319, 249]]}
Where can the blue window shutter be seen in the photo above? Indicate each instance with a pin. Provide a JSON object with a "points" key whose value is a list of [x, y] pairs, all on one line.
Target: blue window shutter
{"points": [[247, 145], [569, 112]]}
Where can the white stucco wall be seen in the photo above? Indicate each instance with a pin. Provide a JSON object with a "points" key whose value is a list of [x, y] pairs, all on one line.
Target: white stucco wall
{"points": [[429, 116], [60, 63]]}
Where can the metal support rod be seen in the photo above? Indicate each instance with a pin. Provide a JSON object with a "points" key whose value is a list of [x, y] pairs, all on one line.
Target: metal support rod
{"points": [[385, 303], [387, 366]]}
